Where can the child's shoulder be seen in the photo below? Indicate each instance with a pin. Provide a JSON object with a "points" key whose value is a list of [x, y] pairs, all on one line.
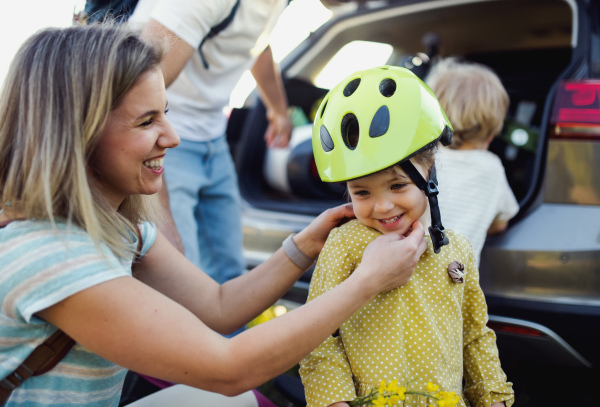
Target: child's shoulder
{"points": [[457, 239], [352, 231], [459, 246]]}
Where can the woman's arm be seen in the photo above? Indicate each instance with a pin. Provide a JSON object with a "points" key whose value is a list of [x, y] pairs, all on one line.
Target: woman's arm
{"points": [[133, 325], [228, 307]]}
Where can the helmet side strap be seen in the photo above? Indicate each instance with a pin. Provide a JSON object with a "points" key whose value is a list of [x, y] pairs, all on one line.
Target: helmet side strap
{"points": [[436, 230]]}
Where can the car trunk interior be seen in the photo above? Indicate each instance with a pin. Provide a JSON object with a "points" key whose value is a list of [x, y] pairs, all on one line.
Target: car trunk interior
{"points": [[528, 44]]}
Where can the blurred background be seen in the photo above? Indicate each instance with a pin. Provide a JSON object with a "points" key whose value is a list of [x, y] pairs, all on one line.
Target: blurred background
{"points": [[23, 18]]}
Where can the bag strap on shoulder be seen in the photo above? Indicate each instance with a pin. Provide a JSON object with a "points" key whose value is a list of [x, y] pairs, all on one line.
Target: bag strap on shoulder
{"points": [[217, 29], [42, 359]]}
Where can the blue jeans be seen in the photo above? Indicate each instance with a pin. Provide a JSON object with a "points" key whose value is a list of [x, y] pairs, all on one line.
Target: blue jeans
{"points": [[205, 203]]}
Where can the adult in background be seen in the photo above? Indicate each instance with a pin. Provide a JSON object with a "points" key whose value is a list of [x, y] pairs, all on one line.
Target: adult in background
{"points": [[200, 74], [83, 136]]}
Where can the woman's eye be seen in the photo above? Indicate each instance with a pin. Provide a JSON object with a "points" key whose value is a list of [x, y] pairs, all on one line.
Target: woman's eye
{"points": [[147, 123]]}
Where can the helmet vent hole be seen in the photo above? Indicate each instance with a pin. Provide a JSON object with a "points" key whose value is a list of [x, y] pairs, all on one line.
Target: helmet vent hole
{"points": [[323, 110], [351, 87], [350, 131], [387, 87]]}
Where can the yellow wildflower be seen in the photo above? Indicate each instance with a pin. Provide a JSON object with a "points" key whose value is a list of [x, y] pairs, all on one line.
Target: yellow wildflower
{"points": [[379, 402], [382, 387], [432, 387], [393, 386], [393, 400], [448, 399], [400, 392]]}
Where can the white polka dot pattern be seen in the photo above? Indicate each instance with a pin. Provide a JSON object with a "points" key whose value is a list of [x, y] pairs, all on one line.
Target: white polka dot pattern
{"points": [[431, 329]]}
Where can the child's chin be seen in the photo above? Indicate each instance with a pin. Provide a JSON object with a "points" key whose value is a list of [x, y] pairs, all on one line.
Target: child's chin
{"points": [[397, 231]]}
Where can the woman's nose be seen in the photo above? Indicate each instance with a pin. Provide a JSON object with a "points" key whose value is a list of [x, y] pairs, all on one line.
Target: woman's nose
{"points": [[168, 137]]}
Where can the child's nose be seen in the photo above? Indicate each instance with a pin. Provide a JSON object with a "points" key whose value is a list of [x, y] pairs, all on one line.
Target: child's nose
{"points": [[383, 205]]}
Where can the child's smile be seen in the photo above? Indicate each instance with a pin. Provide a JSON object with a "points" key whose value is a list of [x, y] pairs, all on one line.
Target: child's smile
{"points": [[388, 201]]}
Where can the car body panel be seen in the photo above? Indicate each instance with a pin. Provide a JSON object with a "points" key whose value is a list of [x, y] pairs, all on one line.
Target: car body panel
{"points": [[543, 273]]}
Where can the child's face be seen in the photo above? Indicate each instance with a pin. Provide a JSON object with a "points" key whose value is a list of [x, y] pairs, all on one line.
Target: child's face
{"points": [[388, 201]]}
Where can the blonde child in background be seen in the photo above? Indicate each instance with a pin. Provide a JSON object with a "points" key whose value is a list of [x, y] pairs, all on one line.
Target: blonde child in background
{"points": [[378, 131], [475, 198]]}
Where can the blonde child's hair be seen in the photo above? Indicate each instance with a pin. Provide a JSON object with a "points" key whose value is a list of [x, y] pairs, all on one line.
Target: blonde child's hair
{"points": [[58, 94], [473, 98]]}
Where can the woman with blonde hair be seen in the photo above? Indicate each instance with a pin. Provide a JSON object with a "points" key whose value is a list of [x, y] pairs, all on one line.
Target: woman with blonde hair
{"points": [[83, 135]]}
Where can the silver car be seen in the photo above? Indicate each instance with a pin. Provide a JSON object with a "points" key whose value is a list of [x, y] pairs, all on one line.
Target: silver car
{"points": [[542, 276]]}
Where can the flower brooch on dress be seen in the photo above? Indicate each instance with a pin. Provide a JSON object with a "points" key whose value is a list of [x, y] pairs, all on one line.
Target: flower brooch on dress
{"points": [[456, 271]]}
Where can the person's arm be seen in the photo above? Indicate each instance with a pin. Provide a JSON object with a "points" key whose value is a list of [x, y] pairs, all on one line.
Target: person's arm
{"points": [[167, 223], [133, 325], [225, 308], [269, 82], [497, 226], [178, 54]]}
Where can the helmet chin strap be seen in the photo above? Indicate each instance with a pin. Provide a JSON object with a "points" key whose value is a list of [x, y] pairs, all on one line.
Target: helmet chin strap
{"points": [[436, 230]]}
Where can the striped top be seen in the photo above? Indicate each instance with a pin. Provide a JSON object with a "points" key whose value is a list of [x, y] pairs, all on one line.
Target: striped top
{"points": [[40, 266], [474, 192]]}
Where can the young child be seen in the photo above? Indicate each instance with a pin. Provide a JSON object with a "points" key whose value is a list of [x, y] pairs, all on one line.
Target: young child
{"points": [[475, 198], [377, 131]]}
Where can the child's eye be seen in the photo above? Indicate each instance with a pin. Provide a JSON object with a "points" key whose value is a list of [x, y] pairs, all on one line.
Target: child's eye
{"points": [[166, 110], [398, 186], [361, 193]]}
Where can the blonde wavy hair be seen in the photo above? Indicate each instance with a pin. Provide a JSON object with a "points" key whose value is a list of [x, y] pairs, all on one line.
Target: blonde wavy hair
{"points": [[59, 92], [473, 98]]}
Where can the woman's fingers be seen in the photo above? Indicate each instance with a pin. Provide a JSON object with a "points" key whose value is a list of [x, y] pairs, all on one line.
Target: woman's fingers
{"points": [[313, 237], [391, 259]]}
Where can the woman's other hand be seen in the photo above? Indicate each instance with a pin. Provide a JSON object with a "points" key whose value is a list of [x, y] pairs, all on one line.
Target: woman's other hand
{"points": [[313, 237]]}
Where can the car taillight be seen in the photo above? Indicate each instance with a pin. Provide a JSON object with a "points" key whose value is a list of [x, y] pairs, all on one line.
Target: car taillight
{"points": [[576, 112], [514, 329]]}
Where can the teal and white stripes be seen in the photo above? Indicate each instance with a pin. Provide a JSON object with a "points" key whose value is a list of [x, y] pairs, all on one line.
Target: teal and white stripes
{"points": [[40, 266]]}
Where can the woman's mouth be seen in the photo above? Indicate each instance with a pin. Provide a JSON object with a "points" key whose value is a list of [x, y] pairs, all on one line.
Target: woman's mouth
{"points": [[155, 165]]}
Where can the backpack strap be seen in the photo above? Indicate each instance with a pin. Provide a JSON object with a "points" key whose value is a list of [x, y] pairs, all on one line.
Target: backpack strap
{"points": [[217, 29], [42, 359]]}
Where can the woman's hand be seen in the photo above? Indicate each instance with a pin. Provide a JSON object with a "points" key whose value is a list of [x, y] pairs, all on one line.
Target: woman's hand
{"points": [[389, 261], [340, 404], [313, 237]]}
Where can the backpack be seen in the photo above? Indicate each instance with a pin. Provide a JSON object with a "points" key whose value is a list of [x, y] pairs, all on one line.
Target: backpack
{"points": [[120, 10]]}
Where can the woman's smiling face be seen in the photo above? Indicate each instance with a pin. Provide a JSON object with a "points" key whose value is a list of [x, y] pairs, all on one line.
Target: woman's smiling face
{"points": [[130, 152], [388, 201]]}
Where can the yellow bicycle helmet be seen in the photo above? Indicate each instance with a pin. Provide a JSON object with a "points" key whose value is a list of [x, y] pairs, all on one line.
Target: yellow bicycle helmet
{"points": [[375, 119]]}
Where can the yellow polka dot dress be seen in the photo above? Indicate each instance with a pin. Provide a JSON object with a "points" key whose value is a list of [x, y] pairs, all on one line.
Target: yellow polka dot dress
{"points": [[430, 330]]}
